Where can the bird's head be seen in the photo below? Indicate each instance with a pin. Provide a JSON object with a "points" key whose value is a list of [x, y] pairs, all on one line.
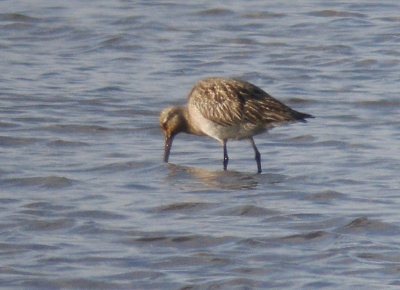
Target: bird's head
{"points": [[172, 122]]}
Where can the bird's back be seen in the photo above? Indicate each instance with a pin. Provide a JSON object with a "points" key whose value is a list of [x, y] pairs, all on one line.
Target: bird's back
{"points": [[230, 102]]}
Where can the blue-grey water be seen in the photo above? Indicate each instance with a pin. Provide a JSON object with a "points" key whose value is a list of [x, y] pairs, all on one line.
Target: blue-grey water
{"points": [[86, 201]]}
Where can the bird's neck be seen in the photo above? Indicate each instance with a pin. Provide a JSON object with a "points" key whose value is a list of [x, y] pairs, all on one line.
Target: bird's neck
{"points": [[189, 127]]}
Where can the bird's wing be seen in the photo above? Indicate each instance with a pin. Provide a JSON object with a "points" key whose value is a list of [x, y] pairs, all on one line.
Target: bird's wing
{"points": [[260, 107], [218, 102], [228, 102], [266, 110]]}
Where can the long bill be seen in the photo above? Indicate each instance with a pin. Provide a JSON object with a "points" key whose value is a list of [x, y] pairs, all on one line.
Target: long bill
{"points": [[167, 149]]}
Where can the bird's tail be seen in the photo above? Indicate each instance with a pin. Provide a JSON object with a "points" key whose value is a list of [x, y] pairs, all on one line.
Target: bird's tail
{"points": [[302, 116]]}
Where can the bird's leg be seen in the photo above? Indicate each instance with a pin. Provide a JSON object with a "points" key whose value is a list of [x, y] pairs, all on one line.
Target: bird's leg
{"points": [[257, 154], [226, 158]]}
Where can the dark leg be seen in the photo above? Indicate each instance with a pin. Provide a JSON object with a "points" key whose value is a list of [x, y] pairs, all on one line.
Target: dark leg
{"points": [[257, 154], [226, 158]]}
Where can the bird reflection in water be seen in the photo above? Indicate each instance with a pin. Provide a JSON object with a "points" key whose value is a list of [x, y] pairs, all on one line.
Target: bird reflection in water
{"points": [[217, 179]]}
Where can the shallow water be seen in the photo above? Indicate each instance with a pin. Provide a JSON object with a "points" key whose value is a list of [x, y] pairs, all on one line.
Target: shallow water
{"points": [[86, 201]]}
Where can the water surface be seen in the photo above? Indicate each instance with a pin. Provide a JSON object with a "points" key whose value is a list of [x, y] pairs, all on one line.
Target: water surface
{"points": [[86, 201]]}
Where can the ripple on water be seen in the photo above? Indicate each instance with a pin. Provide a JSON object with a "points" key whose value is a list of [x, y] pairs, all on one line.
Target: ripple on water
{"points": [[137, 275], [17, 21], [47, 224], [46, 210], [51, 182], [214, 12], [69, 283], [184, 207], [6, 125], [248, 210], [16, 141], [314, 236], [8, 200], [335, 13], [95, 214], [17, 17], [264, 15], [12, 248], [65, 143], [326, 196], [180, 241], [85, 129], [382, 103], [367, 225], [120, 166]]}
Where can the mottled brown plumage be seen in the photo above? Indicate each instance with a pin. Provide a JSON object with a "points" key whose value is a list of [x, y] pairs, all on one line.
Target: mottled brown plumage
{"points": [[226, 109]]}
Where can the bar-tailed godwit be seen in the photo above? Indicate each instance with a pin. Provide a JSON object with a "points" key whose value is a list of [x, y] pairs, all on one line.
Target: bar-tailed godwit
{"points": [[226, 109]]}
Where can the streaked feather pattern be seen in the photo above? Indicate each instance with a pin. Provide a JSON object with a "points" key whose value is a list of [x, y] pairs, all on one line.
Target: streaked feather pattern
{"points": [[229, 102]]}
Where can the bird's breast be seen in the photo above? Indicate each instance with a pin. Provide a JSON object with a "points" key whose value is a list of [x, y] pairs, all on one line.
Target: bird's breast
{"points": [[240, 130]]}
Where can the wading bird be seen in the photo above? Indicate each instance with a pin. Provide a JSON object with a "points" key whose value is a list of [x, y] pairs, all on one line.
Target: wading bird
{"points": [[226, 109]]}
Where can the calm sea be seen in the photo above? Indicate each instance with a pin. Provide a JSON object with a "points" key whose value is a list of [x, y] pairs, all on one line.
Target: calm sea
{"points": [[86, 201]]}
